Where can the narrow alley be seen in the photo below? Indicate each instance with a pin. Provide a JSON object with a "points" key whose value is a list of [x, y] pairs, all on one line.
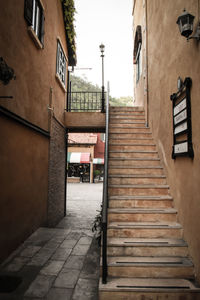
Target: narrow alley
{"points": [[62, 262]]}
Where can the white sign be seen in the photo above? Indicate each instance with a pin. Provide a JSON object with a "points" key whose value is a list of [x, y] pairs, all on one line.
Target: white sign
{"points": [[181, 148], [180, 106], [180, 128], [180, 117]]}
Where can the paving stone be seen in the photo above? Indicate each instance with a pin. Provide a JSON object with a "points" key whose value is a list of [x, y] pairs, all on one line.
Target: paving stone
{"points": [[17, 264], [74, 262], [41, 257], [30, 251], [51, 245], [68, 243], [52, 267], [61, 254], [40, 286], [67, 278], [85, 240], [91, 263], [74, 235], [59, 294], [86, 289], [80, 249]]}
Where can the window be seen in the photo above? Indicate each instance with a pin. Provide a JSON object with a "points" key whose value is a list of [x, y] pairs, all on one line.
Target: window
{"points": [[137, 57], [34, 15], [138, 63], [61, 65]]}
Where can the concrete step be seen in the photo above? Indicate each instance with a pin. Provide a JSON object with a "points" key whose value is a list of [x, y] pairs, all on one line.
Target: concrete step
{"points": [[140, 201], [142, 215], [133, 170], [136, 179], [127, 113], [130, 129], [137, 135], [134, 141], [123, 161], [156, 267], [148, 288], [146, 247], [126, 108], [124, 117], [131, 147], [132, 154], [136, 130], [127, 123], [138, 190], [144, 230]]}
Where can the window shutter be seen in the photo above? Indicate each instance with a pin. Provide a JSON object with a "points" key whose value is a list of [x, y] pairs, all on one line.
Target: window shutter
{"points": [[42, 28], [28, 11]]}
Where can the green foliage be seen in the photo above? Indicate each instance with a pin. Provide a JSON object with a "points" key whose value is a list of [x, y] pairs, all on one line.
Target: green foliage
{"points": [[97, 225], [69, 18]]}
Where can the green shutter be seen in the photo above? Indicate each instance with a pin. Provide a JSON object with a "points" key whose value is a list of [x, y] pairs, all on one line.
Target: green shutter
{"points": [[28, 11]]}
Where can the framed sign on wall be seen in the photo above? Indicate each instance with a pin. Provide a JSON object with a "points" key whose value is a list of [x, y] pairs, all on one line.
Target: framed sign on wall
{"points": [[181, 113]]}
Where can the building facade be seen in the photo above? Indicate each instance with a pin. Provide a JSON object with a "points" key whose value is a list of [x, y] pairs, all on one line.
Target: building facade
{"points": [[161, 55], [34, 45]]}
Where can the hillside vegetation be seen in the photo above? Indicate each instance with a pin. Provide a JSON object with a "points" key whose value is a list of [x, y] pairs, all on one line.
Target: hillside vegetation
{"points": [[79, 84]]}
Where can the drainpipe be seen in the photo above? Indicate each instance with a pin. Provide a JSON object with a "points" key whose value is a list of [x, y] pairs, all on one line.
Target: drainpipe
{"points": [[146, 78], [66, 151]]}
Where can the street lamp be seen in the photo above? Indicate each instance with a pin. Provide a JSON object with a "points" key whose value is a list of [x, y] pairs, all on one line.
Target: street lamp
{"points": [[102, 47]]}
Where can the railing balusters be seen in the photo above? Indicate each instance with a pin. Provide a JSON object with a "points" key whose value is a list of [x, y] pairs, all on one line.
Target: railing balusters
{"points": [[84, 101]]}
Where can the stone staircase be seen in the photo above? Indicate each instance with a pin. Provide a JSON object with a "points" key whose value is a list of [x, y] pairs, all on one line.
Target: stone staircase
{"points": [[147, 256]]}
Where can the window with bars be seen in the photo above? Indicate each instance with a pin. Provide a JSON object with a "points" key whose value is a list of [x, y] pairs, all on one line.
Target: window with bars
{"points": [[61, 66]]}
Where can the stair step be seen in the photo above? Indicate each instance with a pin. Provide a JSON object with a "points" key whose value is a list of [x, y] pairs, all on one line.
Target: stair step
{"points": [[133, 170], [140, 201], [151, 288], [146, 247], [127, 113], [131, 147], [136, 179], [126, 123], [138, 189], [136, 130], [141, 215], [165, 267], [132, 154], [144, 230], [133, 161], [125, 108]]}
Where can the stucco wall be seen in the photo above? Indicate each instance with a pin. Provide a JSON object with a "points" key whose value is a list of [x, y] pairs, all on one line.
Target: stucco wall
{"points": [[24, 183], [35, 68], [25, 195], [171, 56]]}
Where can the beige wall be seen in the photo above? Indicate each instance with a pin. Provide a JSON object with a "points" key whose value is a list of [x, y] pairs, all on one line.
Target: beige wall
{"points": [[89, 120], [34, 68], [24, 153], [24, 184], [171, 56]]}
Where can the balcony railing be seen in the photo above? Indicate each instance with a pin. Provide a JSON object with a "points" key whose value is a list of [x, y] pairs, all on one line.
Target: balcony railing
{"points": [[85, 101]]}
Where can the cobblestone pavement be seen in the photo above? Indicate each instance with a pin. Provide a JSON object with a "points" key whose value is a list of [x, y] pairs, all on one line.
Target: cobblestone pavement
{"points": [[60, 263]]}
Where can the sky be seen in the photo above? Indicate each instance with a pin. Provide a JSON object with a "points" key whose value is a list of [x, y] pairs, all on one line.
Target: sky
{"points": [[108, 22]]}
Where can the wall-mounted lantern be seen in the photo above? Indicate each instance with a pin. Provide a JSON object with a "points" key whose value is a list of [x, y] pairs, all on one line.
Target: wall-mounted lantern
{"points": [[185, 24]]}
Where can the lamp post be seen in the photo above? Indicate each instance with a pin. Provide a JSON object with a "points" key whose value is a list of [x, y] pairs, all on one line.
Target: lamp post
{"points": [[102, 47]]}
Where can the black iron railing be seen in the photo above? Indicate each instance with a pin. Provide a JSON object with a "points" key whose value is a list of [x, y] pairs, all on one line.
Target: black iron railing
{"points": [[105, 198], [85, 101]]}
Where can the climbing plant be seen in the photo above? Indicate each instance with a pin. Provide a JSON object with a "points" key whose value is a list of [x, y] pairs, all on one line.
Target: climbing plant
{"points": [[69, 18]]}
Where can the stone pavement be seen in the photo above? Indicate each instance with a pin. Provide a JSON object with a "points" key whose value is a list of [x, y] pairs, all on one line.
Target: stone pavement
{"points": [[60, 263]]}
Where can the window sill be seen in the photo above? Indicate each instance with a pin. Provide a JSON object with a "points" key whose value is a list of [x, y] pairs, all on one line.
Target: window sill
{"points": [[35, 38], [61, 84]]}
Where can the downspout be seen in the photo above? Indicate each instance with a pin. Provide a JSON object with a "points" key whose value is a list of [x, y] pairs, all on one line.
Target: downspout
{"points": [[66, 151], [146, 88]]}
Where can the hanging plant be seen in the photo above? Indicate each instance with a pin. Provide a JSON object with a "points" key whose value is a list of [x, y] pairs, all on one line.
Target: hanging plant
{"points": [[69, 18]]}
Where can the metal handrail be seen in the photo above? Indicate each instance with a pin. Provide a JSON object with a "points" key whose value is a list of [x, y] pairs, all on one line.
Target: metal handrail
{"points": [[105, 197]]}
